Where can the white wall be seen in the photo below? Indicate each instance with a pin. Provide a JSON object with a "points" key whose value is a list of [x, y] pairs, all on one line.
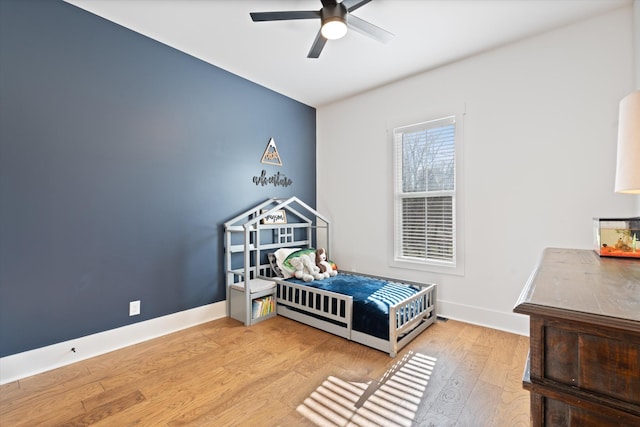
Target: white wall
{"points": [[539, 160]]}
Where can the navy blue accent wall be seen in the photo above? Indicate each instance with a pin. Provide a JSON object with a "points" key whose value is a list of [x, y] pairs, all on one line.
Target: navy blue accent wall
{"points": [[120, 159]]}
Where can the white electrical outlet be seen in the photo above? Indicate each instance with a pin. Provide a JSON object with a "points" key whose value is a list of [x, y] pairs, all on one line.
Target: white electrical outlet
{"points": [[134, 308]]}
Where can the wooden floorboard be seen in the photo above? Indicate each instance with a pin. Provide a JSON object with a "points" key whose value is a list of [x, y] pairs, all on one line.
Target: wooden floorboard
{"points": [[282, 373]]}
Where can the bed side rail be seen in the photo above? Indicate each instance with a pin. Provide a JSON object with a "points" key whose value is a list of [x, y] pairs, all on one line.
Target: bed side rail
{"points": [[328, 305]]}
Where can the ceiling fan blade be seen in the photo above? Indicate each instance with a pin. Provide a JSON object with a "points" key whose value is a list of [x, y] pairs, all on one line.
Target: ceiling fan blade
{"points": [[352, 5], [368, 29], [317, 47], [284, 16], [326, 3]]}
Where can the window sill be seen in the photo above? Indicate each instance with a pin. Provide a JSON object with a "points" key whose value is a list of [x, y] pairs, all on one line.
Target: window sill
{"points": [[431, 267]]}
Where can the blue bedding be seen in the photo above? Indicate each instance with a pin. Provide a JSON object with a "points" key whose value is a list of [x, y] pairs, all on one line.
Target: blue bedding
{"points": [[371, 299]]}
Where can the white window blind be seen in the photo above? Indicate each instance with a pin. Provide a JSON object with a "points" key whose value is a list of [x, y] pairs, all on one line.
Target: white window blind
{"points": [[425, 171]]}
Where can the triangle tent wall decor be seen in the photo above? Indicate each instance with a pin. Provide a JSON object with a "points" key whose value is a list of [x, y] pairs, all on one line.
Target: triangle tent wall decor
{"points": [[270, 155]]}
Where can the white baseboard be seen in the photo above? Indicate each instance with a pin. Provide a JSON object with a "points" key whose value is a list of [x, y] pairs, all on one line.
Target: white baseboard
{"points": [[508, 322], [21, 365]]}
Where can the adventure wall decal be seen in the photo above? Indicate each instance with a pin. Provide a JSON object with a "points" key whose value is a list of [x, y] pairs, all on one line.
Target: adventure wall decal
{"points": [[276, 179]]}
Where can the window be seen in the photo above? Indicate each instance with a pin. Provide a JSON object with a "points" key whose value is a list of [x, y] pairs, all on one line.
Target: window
{"points": [[425, 193]]}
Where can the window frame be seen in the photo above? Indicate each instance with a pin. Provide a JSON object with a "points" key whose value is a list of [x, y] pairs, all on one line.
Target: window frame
{"points": [[456, 265]]}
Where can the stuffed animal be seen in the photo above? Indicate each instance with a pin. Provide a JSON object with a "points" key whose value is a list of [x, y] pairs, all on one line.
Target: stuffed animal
{"points": [[326, 269], [305, 268], [300, 263]]}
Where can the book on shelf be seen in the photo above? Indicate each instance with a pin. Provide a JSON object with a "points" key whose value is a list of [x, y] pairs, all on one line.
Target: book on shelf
{"points": [[263, 306]]}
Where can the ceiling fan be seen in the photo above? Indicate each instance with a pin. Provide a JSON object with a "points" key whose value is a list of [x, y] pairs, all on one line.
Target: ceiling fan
{"points": [[335, 18]]}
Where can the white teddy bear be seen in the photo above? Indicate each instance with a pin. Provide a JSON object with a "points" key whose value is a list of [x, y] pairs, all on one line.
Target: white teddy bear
{"points": [[306, 268]]}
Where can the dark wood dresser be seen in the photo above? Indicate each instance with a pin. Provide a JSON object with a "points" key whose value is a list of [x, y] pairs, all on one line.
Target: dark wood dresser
{"points": [[584, 359]]}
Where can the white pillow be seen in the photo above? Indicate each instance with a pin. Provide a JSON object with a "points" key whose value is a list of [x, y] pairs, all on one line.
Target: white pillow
{"points": [[281, 255]]}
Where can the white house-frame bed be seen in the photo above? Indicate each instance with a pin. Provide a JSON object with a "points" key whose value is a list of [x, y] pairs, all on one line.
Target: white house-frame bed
{"points": [[252, 235]]}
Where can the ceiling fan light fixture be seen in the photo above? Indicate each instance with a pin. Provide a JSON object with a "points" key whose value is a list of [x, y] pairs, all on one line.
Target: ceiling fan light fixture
{"points": [[334, 28], [335, 19]]}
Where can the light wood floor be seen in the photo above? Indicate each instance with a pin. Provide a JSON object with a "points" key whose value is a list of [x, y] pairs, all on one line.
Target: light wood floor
{"points": [[282, 373]]}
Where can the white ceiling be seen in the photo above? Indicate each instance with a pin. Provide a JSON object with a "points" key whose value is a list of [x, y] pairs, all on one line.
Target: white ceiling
{"points": [[428, 34]]}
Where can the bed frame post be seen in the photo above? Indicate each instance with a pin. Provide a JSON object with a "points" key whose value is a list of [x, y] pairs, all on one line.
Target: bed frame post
{"points": [[393, 337]]}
